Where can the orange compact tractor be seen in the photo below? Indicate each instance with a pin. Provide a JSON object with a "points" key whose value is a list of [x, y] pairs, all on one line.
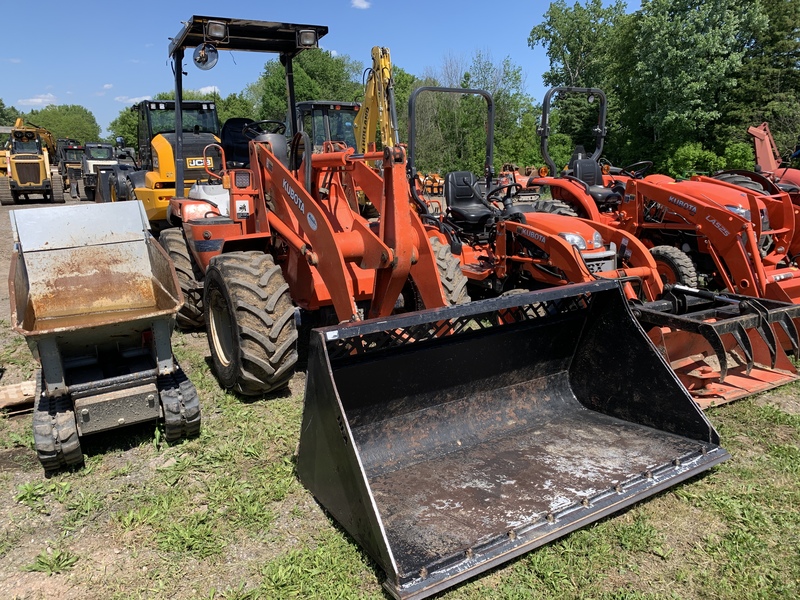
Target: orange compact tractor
{"points": [[732, 234], [504, 242]]}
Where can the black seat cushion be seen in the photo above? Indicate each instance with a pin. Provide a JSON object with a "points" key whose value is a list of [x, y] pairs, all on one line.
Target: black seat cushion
{"points": [[462, 202]]}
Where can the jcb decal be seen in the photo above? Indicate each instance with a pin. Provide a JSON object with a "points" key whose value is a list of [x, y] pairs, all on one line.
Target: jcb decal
{"points": [[197, 163]]}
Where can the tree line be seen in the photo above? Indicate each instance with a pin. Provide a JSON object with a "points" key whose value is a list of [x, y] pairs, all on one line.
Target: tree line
{"points": [[684, 80]]}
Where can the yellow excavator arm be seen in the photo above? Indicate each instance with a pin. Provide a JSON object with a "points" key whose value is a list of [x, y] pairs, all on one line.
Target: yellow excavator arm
{"points": [[378, 108]]}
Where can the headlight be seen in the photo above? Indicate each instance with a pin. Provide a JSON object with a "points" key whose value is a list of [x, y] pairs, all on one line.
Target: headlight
{"points": [[574, 239], [597, 240], [739, 210]]}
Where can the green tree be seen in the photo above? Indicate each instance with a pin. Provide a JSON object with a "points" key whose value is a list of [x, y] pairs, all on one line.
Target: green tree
{"points": [[8, 114], [575, 40], [66, 121], [125, 126], [683, 66], [768, 81], [318, 75]]}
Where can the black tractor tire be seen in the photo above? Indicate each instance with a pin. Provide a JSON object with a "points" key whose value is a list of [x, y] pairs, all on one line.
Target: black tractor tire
{"points": [[250, 322], [554, 207], [674, 266], [190, 316], [741, 181], [453, 279]]}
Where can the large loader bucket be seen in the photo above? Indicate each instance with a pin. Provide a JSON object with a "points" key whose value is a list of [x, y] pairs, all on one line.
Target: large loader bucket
{"points": [[449, 441]]}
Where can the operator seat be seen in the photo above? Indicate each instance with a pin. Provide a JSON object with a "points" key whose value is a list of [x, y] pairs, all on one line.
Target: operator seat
{"points": [[589, 172], [235, 143], [463, 204]]}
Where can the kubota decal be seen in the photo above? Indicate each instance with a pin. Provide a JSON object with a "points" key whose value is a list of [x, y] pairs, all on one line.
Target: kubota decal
{"points": [[312, 221], [298, 201], [537, 237], [683, 204]]}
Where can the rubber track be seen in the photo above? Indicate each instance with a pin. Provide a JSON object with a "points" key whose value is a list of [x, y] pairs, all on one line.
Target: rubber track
{"points": [[181, 405], [6, 198], [55, 434], [57, 189]]}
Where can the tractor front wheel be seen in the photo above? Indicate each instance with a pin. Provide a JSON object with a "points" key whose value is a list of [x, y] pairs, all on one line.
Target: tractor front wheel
{"points": [[453, 279], [674, 266], [250, 323]]}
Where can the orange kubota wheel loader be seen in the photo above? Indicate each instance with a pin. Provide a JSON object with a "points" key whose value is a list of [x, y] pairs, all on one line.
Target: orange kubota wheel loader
{"points": [[406, 409], [286, 237]]}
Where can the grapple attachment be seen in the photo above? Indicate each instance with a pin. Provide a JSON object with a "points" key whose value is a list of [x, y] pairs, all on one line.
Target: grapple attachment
{"points": [[452, 440], [723, 346]]}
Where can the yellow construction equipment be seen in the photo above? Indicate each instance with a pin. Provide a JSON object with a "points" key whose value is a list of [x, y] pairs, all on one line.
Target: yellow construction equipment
{"points": [[28, 166]]}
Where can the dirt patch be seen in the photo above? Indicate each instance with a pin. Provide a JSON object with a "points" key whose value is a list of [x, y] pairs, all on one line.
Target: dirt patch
{"points": [[786, 399]]}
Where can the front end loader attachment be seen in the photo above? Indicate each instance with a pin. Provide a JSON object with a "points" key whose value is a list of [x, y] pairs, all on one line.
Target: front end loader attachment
{"points": [[723, 347], [451, 440]]}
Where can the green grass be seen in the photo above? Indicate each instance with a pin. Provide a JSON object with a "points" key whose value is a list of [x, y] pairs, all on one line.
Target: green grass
{"points": [[224, 516]]}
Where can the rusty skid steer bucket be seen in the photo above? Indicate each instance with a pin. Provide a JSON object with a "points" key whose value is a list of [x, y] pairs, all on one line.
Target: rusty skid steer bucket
{"points": [[449, 441], [723, 346]]}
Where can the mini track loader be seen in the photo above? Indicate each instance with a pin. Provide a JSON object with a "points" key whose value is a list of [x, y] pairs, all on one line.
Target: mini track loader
{"points": [[95, 297], [522, 427]]}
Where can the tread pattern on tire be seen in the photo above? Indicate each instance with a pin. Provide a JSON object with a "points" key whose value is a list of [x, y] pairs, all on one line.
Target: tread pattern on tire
{"points": [[684, 268], [190, 316], [740, 180], [453, 279], [264, 329], [555, 207]]}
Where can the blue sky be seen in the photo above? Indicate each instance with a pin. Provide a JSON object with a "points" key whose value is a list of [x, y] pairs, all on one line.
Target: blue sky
{"points": [[107, 55]]}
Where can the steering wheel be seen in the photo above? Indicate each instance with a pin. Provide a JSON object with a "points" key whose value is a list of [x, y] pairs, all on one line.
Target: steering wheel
{"points": [[257, 128], [493, 192], [637, 169]]}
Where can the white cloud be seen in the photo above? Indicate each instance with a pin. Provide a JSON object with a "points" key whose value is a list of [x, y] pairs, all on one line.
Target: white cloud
{"points": [[14, 61], [108, 86], [363, 4], [129, 100], [209, 89], [39, 100]]}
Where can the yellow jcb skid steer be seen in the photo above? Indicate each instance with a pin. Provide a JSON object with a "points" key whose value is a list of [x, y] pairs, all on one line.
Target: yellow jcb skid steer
{"points": [[451, 440]]}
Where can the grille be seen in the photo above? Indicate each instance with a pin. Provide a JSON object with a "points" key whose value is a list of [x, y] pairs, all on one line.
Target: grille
{"points": [[430, 325], [28, 173]]}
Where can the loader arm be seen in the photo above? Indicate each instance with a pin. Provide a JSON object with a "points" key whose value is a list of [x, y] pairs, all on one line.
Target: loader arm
{"points": [[767, 155], [378, 108], [731, 238]]}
